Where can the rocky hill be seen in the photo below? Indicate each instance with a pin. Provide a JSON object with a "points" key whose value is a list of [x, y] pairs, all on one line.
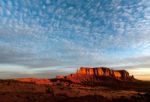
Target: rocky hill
{"points": [[96, 74], [35, 80]]}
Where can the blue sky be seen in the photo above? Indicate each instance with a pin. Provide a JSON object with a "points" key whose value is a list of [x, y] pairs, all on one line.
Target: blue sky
{"points": [[43, 38]]}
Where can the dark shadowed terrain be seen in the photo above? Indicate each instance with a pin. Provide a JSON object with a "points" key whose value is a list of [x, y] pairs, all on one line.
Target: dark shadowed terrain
{"points": [[65, 91]]}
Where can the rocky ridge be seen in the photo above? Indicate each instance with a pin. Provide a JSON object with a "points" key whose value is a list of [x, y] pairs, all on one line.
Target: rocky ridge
{"points": [[96, 74], [35, 81]]}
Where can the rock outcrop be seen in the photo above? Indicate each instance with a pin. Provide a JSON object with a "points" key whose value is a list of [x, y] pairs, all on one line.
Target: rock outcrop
{"points": [[87, 73], [60, 77], [35, 80], [102, 71]]}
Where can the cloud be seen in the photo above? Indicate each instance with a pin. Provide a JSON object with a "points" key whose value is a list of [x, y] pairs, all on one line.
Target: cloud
{"points": [[12, 75], [10, 55], [41, 34], [132, 63]]}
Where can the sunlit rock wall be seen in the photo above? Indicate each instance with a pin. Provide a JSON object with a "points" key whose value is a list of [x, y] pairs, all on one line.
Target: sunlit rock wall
{"points": [[102, 71]]}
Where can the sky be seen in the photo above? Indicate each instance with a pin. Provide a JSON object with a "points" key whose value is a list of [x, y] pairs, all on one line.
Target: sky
{"points": [[44, 38]]}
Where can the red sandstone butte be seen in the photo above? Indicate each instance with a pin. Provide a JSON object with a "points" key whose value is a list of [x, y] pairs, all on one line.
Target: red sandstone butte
{"points": [[35, 80], [88, 73]]}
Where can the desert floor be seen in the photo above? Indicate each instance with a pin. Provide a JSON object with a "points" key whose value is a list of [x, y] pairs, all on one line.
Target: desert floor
{"points": [[62, 91]]}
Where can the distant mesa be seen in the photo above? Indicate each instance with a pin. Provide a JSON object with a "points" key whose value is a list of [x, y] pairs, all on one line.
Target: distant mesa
{"points": [[35, 81], [60, 77], [86, 74], [97, 73], [102, 71]]}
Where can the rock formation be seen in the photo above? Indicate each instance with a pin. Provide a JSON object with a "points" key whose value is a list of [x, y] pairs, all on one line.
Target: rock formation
{"points": [[102, 71], [60, 77], [87, 73], [35, 80]]}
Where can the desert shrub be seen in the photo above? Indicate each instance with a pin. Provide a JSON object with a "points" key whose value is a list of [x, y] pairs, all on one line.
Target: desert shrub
{"points": [[50, 90], [60, 86], [21, 91], [139, 94], [66, 88], [147, 94], [133, 97], [78, 92]]}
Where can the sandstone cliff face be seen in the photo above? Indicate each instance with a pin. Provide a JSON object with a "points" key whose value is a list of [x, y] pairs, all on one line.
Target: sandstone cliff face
{"points": [[117, 74], [88, 73], [101, 71]]}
